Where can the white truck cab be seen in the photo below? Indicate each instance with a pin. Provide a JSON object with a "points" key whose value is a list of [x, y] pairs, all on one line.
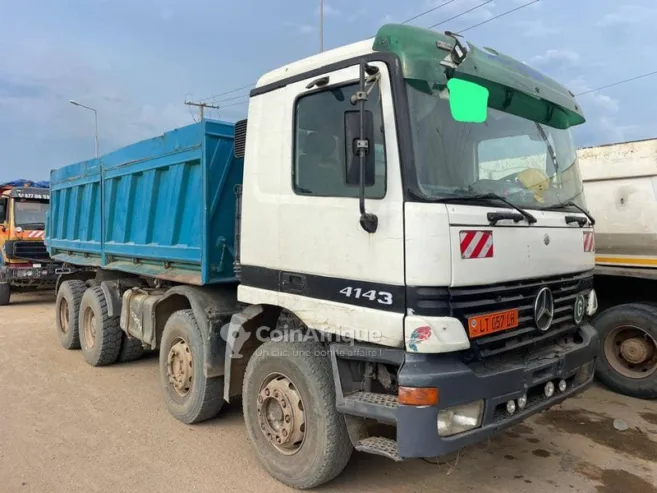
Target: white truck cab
{"points": [[469, 257]]}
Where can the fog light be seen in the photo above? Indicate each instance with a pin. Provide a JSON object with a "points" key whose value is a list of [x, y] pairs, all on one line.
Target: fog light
{"points": [[584, 373], [511, 407], [461, 418], [522, 402], [592, 304], [562, 385], [549, 389]]}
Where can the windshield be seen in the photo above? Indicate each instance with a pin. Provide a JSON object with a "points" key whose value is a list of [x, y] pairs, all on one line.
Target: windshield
{"points": [[531, 165], [30, 214]]}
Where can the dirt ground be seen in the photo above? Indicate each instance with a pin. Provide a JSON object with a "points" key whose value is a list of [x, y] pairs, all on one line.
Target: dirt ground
{"points": [[68, 427]]}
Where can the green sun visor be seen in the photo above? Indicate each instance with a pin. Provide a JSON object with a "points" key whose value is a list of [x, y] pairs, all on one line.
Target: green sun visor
{"points": [[512, 86]]}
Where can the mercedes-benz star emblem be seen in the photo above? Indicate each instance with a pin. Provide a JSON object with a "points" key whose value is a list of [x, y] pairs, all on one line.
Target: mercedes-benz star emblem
{"points": [[544, 309]]}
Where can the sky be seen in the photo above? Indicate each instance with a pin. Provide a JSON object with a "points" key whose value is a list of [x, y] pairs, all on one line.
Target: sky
{"points": [[137, 61]]}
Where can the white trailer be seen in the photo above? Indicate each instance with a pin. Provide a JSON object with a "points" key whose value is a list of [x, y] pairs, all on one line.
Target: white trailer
{"points": [[620, 183]]}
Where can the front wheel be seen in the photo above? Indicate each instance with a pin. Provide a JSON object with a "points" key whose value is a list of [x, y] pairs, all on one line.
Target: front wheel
{"points": [[628, 356], [189, 395], [290, 415]]}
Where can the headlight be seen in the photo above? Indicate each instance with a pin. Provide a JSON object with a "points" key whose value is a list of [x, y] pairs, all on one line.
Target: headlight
{"points": [[461, 418], [592, 305]]}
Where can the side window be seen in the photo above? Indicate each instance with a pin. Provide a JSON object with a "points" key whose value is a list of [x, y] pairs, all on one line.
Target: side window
{"points": [[319, 148], [3, 210]]}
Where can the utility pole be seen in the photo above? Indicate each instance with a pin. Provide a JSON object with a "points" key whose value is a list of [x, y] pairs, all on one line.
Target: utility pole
{"points": [[321, 25], [201, 106]]}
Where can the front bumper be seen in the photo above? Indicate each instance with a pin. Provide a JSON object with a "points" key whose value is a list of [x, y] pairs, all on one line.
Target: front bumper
{"points": [[26, 276], [496, 382]]}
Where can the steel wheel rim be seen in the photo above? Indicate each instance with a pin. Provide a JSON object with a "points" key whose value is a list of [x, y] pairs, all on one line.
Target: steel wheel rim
{"points": [[180, 367], [631, 351], [89, 327], [281, 414], [63, 316]]}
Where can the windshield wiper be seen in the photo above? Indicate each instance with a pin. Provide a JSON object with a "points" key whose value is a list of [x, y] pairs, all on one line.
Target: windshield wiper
{"points": [[571, 204], [492, 217], [553, 155]]}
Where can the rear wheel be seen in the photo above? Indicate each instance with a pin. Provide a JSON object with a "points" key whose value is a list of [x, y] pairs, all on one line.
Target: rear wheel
{"points": [[131, 349], [290, 415], [628, 356], [67, 311], [100, 334], [190, 396], [5, 293]]}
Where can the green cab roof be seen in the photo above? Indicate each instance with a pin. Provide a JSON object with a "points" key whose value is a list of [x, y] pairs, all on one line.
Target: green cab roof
{"points": [[514, 86]]}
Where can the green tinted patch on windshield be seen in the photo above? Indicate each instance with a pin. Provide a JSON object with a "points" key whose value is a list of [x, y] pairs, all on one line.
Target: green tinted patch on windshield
{"points": [[468, 102]]}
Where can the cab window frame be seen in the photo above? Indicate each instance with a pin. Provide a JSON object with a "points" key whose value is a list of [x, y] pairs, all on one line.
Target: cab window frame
{"points": [[327, 88]]}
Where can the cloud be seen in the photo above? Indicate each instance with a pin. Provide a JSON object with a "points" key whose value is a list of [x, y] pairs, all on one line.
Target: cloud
{"points": [[480, 12], [629, 14], [566, 57], [357, 15], [597, 99], [301, 28], [536, 29], [329, 10]]}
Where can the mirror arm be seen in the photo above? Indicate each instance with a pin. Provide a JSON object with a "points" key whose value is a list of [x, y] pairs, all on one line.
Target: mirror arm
{"points": [[368, 221]]}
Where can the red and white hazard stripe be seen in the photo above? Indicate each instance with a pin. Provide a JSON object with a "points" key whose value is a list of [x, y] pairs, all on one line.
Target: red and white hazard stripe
{"points": [[35, 234], [589, 241], [476, 244]]}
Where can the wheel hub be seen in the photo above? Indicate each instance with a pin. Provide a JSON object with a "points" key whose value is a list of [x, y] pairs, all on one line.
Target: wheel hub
{"points": [[636, 350], [89, 327], [631, 351], [180, 368], [63, 316], [281, 414]]}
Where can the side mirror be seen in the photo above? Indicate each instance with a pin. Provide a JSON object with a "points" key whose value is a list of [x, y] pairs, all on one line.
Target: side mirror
{"points": [[351, 139]]}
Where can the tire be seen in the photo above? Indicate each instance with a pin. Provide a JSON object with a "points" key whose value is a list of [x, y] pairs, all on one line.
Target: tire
{"points": [[5, 293], [131, 349], [67, 313], [612, 369], [100, 335], [325, 447], [193, 397]]}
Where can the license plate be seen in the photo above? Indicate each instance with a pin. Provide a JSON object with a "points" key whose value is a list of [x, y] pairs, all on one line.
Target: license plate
{"points": [[492, 322], [36, 266]]}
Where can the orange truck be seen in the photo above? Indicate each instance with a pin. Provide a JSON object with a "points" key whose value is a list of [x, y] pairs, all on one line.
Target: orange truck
{"points": [[24, 262]]}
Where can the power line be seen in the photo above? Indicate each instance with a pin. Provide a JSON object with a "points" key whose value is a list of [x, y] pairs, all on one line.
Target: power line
{"points": [[617, 83], [228, 92], [421, 14], [428, 11], [498, 16], [404, 22], [459, 15]]}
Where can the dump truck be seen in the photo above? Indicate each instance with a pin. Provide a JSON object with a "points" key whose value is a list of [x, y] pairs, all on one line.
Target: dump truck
{"points": [[24, 261], [620, 182], [390, 254]]}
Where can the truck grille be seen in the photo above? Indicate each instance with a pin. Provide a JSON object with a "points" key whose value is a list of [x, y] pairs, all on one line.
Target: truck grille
{"points": [[472, 301], [29, 250]]}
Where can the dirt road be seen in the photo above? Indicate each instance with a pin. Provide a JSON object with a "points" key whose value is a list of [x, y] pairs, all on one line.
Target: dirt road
{"points": [[68, 427]]}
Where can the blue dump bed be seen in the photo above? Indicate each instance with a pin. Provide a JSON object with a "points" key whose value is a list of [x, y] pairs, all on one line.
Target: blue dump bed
{"points": [[163, 208]]}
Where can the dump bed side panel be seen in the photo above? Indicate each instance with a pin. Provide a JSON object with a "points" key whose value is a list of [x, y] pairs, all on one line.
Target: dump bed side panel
{"points": [[73, 227], [168, 207], [153, 206]]}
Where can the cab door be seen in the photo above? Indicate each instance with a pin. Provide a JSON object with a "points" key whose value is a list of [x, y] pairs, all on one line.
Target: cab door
{"points": [[329, 271]]}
